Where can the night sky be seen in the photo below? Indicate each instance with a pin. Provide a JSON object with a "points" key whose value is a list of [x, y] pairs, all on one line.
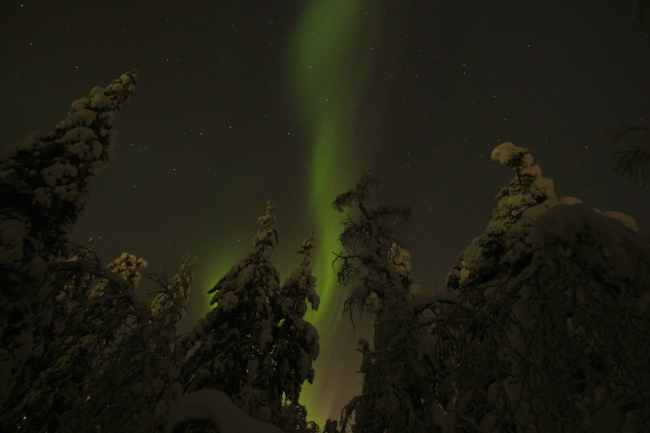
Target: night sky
{"points": [[238, 103]]}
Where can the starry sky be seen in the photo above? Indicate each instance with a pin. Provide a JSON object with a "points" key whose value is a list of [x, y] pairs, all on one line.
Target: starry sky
{"points": [[292, 101]]}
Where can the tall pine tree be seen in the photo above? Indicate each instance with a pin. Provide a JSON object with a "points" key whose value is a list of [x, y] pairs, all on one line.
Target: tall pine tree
{"points": [[396, 388]]}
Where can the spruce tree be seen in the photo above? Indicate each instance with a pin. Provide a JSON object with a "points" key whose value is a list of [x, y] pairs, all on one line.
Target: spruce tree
{"points": [[43, 190], [550, 329], [255, 345], [297, 345], [236, 336]]}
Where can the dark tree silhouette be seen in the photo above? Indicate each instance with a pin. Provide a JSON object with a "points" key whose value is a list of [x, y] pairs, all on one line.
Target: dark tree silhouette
{"points": [[633, 162], [398, 388]]}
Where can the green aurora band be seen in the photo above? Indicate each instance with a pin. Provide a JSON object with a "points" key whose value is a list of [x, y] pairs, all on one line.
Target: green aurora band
{"points": [[330, 65], [329, 72]]}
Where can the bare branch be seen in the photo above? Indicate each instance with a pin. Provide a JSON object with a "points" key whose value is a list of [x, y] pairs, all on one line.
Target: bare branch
{"points": [[623, 132], [348, 272], [344, 200], [632, 163]]}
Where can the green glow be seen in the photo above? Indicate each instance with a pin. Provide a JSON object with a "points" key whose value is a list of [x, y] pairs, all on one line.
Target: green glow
{"points": [[330, 65], [220, 261], [330, 56]]}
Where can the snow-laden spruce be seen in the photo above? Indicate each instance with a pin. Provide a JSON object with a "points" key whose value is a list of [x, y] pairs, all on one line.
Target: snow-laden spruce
{"points": [[43, 190], [255, 345], [45, 186], [551, 329]]}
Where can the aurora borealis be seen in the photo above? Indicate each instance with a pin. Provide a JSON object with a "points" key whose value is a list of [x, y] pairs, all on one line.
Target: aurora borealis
{"points": [[328, 87], [293, 101]]}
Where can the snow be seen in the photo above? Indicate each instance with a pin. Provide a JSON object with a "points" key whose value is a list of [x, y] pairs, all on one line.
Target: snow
{"points": [[117, 88], [627, 220], [422, 300], [96, 149], [216, 406], [96, 167], [108, 117], [542, 187], [27, 145], [79, 149], [265, 313], [508, 153], [311, 334], [529, 221], [82, 116], [578, 227], [80, 133], [570, 200], [533, 171], [59, 191], [473, 254], [56, 172], [31, 236], [565, 222], [100, 101], [426, 315], [304, 364]]}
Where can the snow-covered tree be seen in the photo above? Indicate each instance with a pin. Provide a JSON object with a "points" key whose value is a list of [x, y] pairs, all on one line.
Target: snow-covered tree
{"points": [[139, 377], [398, 387], [297, 345], [43, 190], [168, 304], [236, 336], [52, 381], [136, 377], [255, 345], [296, 339], [549, 331], [110, 362]]}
